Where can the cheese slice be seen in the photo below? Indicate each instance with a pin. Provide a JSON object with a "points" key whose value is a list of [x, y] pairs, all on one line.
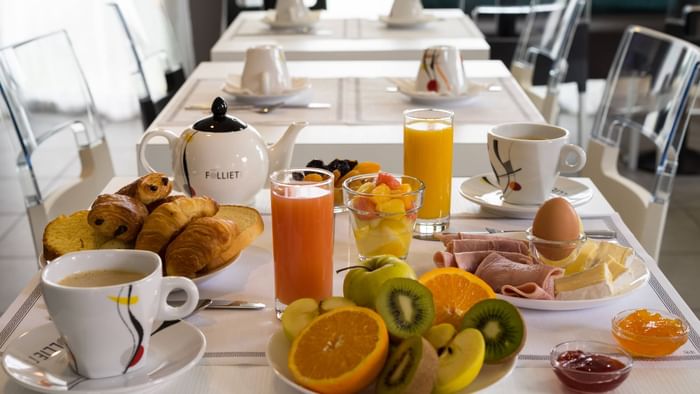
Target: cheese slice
{"points": [[586, 252], [595, 282], [616, 268], [608, 249]]}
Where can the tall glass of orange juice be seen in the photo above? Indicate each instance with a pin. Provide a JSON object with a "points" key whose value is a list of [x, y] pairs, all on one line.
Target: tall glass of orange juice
{"points": [[302, 234], [427, 155]]}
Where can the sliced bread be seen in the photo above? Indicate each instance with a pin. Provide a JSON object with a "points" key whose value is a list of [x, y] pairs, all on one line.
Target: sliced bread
{"points": [[248, 219], [70, 233]]}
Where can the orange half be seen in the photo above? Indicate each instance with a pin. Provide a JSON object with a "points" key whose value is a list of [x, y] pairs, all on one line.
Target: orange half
{"points": [[341, 351], [454, 292]]}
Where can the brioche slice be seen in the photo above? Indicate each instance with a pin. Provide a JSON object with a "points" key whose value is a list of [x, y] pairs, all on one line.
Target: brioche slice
{"points": [[248, 219], [70, 233], [204, 245], [166, 221]]}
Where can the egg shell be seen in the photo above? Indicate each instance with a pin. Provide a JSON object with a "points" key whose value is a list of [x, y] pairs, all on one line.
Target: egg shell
{"points": [[556, 220]]}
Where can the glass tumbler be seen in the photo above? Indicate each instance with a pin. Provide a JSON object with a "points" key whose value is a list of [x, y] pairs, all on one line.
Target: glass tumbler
{"points": [[302, 234]]}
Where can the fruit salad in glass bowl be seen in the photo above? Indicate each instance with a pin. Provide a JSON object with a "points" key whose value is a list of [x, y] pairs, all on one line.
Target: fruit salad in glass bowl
{"points": [[383, 209], [343, 169]]}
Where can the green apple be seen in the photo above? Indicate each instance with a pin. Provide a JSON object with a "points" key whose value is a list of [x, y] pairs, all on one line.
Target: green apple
{"points": [[362, 283], [330, 303], [298, 315], [440, 335], [460, 362]]}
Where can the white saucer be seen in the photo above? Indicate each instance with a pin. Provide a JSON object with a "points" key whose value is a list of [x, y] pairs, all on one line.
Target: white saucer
{"points": [[278, 350], [313, 18], [172, 352], [299, 86], [407, 23], [407, 87], [483, 190]]}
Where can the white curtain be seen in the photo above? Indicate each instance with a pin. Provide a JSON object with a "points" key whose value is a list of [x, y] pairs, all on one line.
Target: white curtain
{"points": [[99, 42]]}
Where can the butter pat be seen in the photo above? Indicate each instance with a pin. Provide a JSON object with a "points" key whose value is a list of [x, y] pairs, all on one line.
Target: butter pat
{"points": [[595, 282], [586, 252], [615, 251]]}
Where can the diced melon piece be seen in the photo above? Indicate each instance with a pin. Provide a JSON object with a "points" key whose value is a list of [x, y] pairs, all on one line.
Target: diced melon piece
{"points": [[392, 206], [381, 193], [366, 187]]}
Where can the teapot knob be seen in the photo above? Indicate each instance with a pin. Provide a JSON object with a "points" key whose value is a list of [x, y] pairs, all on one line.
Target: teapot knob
{"points": [[219, 108]]}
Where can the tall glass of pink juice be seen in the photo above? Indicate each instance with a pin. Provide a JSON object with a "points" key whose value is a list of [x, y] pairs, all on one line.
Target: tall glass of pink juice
{"points": [[302, 234]]}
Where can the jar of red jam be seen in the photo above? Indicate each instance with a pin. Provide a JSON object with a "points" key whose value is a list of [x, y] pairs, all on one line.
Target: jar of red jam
{"points": [[590, 366]]}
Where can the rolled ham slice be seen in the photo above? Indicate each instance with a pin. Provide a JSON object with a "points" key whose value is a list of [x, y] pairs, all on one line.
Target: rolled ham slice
{"points": [[469, 261], [534, 281], [492, 243]]}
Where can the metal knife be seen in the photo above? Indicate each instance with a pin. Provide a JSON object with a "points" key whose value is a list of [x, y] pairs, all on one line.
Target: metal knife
{"points": [[226, 304]]}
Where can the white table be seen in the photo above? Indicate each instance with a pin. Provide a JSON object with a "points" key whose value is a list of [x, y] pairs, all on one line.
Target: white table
{"points": [[342, 132], [340, 37], [532, 374]]}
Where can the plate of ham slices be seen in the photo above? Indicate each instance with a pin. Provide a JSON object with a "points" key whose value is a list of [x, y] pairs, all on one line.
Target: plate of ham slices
{"points": [[506, 264]]}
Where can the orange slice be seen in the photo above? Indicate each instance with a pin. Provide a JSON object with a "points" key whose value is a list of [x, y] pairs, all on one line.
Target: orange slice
{"points": [[454, 292], [341, 351]]}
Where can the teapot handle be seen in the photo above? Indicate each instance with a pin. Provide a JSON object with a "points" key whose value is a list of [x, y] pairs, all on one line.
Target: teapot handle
{"points": [[148, 135]]}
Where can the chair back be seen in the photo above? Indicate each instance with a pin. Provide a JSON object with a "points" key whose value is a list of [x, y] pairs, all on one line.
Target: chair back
{"points": [[55, 127], [650, 89], [157, 69], [544, 45]]}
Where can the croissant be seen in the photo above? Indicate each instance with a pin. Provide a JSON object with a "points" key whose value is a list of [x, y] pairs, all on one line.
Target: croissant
{"points": [[155, 204], [117, 216], [170, 218], [148, 188], [204, 245]]}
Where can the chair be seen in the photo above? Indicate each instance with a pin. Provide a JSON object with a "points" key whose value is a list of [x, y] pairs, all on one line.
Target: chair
{"points": [[157, 72], [651, 87], [49, 104]]}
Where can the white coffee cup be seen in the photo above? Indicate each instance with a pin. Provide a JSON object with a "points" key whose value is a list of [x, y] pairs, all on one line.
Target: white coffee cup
{"points": [[289, 11], [265, 71], [442, 71], [107, 329], [527, 158], [406, 10]]}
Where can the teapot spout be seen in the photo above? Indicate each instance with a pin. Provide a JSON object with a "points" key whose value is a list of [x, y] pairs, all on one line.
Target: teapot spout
{"points": [[281, 152]]}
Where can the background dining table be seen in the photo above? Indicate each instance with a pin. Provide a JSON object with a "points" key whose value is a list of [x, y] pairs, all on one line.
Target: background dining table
{"points": [[235, 360], [338, 36], [364, 121]]}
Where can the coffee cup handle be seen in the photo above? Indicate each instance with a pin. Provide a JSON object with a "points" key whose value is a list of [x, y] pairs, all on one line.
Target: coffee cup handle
{"points": [[567, 151], [167, 134], [170, 284]]}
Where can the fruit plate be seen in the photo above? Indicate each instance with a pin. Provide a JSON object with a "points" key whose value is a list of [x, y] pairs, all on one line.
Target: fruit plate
{"points": [[636, 278], [278, 349]]}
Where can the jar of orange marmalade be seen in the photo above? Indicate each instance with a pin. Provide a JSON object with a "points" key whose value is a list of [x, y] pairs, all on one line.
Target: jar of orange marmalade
{"points": [[648, 332]]}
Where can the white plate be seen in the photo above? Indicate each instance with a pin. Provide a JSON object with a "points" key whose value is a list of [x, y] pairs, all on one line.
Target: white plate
{"points": [[638, 278], [172, 352], [313, 18], [198, 280], [278, 349], [407, 23], [407, 87], [483, 190], [299, 86]]}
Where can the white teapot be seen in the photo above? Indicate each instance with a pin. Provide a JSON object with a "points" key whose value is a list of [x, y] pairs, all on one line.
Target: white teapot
{"points": [[222, 157]]}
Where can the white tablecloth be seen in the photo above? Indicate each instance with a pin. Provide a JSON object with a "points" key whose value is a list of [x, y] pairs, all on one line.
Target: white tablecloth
{"points": [[239, 338]]}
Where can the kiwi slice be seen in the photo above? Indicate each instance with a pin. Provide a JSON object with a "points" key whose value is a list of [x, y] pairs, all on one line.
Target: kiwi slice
{"points": [[501, 325], [406, 307], [411, 368]]}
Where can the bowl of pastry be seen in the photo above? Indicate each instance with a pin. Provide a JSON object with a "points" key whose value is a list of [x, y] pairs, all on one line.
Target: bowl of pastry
{"points": [[195, 236]]}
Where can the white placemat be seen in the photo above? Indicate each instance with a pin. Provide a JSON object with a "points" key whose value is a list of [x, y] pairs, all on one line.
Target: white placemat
{"points": [[374, 104], [239, 337], [441, 27], [203, 91], [325, 28]]}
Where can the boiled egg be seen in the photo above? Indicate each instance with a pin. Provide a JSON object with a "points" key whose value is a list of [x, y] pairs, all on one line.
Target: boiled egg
{"points": [[556, 220]]}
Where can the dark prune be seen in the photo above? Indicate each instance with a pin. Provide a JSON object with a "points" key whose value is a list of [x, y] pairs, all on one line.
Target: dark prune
{"points": [[316, 164]]}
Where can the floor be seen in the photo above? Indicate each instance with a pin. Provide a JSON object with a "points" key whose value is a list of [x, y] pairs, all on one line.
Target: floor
{"points": [[680, 253]]}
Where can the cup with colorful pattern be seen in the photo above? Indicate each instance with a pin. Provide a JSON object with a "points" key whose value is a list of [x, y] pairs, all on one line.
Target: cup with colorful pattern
{"points": [[104, 303], [442, 71]]}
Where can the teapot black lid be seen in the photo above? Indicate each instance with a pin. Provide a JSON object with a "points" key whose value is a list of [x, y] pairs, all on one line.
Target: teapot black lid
{"points": [[219, 121]]}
